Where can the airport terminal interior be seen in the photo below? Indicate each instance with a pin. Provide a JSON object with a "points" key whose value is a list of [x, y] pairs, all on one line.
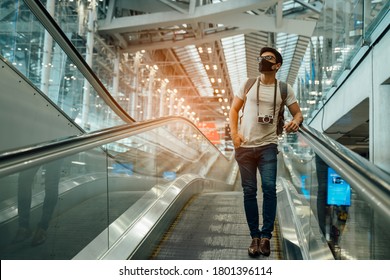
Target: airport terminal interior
{"points": [[115, 143]]}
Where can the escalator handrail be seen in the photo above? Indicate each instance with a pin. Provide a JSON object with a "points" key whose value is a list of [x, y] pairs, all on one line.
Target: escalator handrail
{"points": [[376, 175], [368, 180], [20, 159], [62, 40]]}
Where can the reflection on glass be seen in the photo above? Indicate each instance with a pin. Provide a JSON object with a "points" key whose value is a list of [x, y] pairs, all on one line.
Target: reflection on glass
{"points": [[352, 229], [54, 210], [98, 193], [342, 29], [31, 49], [51, 174]]}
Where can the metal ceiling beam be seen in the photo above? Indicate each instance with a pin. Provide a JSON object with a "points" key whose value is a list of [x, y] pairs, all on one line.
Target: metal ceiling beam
{"points": [[312, 7], [110, 11], [161, 23], [172, 5], [279, 14], [201, 13], [144, 6], [192, 7], [185, 42], [267, 23]]}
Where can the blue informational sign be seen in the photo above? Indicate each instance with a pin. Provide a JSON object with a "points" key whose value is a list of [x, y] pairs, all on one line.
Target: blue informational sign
{"points": [[339, 191], [305, 191], [169, 175], [123, 168]]}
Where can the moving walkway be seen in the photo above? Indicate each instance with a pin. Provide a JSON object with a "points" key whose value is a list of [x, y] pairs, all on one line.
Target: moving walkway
{"points": [[128, 190], [128, 193]]}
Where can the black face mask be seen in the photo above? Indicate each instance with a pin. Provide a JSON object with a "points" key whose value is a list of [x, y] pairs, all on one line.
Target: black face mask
{"points": [[265, 66]]}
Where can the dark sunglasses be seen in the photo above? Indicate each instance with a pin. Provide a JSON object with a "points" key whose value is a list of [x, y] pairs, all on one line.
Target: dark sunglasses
{"points": [[266, 57]]}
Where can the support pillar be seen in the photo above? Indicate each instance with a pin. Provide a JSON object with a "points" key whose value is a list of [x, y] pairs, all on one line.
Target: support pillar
{"points": [[88, 59]]}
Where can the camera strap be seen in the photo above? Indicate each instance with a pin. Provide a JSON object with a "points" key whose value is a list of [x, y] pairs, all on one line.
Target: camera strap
{"points": [[258, 98]]}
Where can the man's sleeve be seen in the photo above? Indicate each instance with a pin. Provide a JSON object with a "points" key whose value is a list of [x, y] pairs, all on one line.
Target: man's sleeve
{"points": [[240, 93], [291, 99]]}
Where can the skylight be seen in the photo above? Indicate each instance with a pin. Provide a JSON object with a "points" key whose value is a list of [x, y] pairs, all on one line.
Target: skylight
{"points": [[194, 67], [235, 55]]}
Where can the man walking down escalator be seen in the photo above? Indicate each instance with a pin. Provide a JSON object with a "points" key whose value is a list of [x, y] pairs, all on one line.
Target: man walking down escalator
{"points": [[255, 142]]}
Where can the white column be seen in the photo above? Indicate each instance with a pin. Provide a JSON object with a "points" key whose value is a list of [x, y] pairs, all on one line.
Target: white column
{"points": [[47, 53], [163, 103], [179, 104], [379, 105], [149, 102], [88, 59], [187, 112], [172, 103], [132, 107], [115, 79]]}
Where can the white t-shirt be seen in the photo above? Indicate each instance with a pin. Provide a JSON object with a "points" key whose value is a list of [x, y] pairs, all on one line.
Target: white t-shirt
{"points": [[255, 133]]}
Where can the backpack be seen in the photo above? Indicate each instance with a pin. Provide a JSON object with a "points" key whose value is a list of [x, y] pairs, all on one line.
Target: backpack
{"points": [[283, 92]]}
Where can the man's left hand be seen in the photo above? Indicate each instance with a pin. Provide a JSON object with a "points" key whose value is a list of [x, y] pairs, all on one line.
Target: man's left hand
{"points": [[292, 126]]}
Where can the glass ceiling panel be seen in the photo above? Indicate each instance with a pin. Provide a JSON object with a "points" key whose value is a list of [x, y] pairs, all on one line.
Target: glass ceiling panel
{"points": [[286, 44], [194, 67], [235, 55]]}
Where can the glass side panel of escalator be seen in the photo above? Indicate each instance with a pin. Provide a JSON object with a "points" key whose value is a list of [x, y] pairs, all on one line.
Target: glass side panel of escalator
{"points": [[54, 210], [352, 229]]}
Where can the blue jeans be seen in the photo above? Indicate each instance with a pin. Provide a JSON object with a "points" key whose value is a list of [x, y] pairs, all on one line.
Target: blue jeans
{"points": [[264, 159]]}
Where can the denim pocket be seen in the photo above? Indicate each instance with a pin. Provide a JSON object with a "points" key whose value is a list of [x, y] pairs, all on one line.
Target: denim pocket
{"points": [[270, 154]]}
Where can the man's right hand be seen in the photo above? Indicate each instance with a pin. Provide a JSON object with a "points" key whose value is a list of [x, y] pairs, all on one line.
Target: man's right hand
{"points": [[237, 139]]}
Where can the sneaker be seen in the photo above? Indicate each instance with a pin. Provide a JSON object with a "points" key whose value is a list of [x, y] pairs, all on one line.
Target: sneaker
{"points": [[264, 247], [253, 249], [22, 234], [39, 238]]}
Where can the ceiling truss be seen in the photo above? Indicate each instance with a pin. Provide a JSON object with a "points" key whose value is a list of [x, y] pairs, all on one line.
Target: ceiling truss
{"points": [[172, 31]]}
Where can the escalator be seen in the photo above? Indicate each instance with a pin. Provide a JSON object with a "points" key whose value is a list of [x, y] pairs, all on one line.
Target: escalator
{"points": [[104, 178], [115, 201], [92, 186], [46, 81], [158, 189]]}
